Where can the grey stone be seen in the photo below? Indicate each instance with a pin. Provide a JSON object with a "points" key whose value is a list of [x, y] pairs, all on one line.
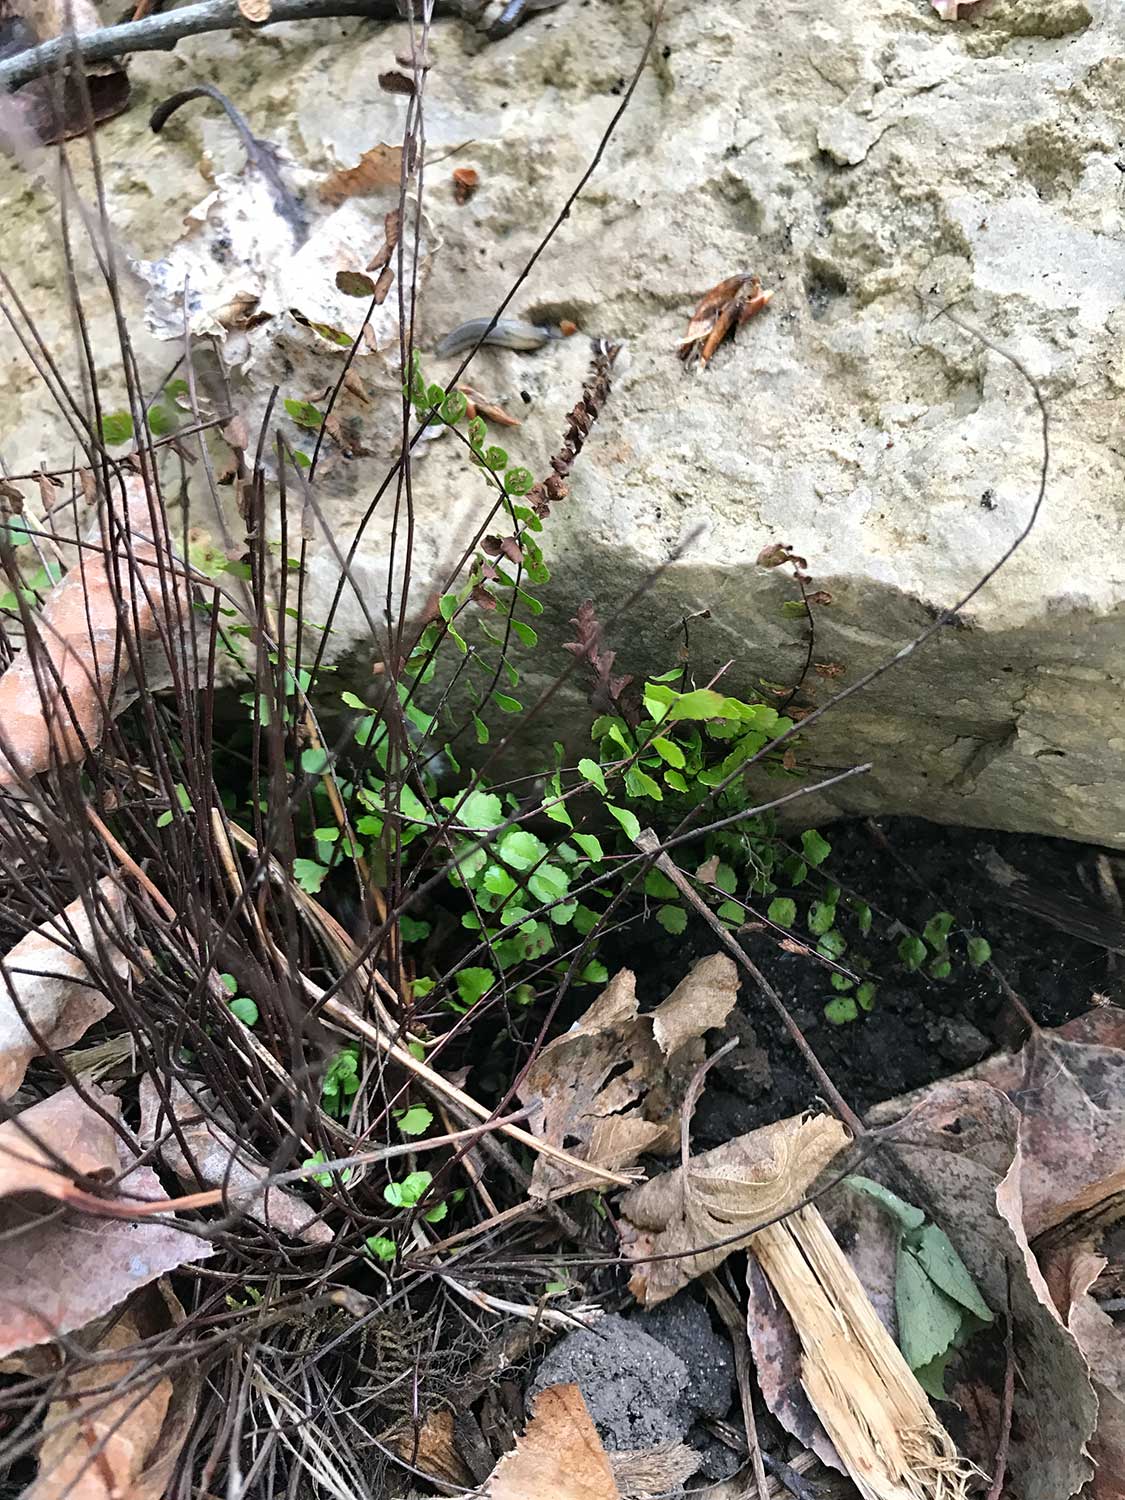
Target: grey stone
{"points": [[874, 165], [634, 1386], [683, 1326]]}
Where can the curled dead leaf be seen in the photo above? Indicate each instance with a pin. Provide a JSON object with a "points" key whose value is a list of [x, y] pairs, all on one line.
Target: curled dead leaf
{"points": [[466, 180], [47, 976], [614, 1082], [719, 312], [741, 1183]]}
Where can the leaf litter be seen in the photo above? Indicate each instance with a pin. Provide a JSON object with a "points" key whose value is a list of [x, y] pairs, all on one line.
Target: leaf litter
{"points": [[48, 989], [99, 1448], [214, 1156], [58, 1271], [611, 1087]]}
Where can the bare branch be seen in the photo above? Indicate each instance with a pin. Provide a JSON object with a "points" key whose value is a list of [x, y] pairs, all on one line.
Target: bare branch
{"points": [[160, 33]]}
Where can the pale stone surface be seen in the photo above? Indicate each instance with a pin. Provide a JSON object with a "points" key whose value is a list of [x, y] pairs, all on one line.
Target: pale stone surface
{"points": [[873, 164]]}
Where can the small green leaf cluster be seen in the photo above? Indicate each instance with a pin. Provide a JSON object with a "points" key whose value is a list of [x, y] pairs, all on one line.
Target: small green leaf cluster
{"points": [[933, 946], [340, 1083]]}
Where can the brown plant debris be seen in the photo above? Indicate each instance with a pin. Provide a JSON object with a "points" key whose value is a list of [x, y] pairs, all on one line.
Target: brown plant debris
{"points": [[62, 106], [1018, 1158], [1070, 1272], [215, 1157], [99, 1448], [615, 1081], [75, 672], [466, 180], [595, 393], [559, 1456], [377, 170], [46, 979], [719, 312], [59, 1271], [877, 1415], [740, 1183], [588, 648]]}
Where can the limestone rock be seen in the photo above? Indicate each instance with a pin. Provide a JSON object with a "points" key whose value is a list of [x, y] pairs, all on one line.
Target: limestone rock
{"points": [[873, 164]]}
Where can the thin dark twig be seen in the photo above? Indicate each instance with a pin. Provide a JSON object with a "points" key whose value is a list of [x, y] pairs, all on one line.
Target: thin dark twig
{"points": [[996, 1488], [160, 33], [788, 1476]]}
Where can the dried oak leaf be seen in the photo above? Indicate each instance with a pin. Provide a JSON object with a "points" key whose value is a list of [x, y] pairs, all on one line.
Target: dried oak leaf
{"points": [[127, 1445], [48, 977], [217, 1159], [560, 1455], [611, 1087], [59, 1271], [377, 169], [742, 1182]]}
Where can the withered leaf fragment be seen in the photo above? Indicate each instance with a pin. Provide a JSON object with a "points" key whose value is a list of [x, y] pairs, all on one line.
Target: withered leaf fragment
{"points": [[103, 1449], [215, 1155], [379, 168], [741, 1183], [48, 974], [560, 1455], [720, 312], [466, 180], [614, 1082], [59, 1271]]}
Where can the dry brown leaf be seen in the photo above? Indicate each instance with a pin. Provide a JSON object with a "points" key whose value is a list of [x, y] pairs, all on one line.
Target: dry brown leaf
{"points": [[128, 1445], [560, 1456], [49, 976], [59, 1271], [432, 1448], [377, 169], [719, 312], [59, 711], [743, 1182], [255, 10], [1070, 1273], [218, 1160], [1069, 1088], [466, 180], [614, 1082]]}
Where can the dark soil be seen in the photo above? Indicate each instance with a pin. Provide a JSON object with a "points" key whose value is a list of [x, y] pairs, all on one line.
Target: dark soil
{"points": [[920, 1029]]}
